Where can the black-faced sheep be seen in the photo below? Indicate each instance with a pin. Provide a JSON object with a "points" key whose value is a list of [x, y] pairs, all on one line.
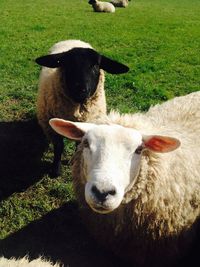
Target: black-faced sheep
{"points": [[136, 199], [71, 86], [100, 6], [119, 3], [25, 262]]}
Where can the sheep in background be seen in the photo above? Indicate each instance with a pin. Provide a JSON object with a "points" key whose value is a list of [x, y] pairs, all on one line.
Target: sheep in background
{"points": [[138, 200], [24, 262], [120, 3], [99, 6], [71, 86]]}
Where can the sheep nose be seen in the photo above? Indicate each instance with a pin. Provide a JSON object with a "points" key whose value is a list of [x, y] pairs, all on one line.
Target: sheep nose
{"points": [[102, 195]]}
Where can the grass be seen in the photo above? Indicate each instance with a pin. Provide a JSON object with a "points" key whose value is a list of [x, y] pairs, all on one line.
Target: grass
{"points": [[158, 39]]}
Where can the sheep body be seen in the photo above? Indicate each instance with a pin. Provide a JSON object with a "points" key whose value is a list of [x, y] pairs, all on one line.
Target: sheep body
{"points": [[99, 6], [53, 101], [25, 262], [119, 3], [157, 220], [71, 86]]}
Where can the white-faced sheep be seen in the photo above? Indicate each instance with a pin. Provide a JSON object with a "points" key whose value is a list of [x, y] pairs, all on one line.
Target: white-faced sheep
{"points": [[119, 3], [99, 6], [146, 201], [71, 86], [25, 262]]}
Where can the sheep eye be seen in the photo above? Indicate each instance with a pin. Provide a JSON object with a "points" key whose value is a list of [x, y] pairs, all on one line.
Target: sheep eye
{"points": [[86, 143], [139, 150]]}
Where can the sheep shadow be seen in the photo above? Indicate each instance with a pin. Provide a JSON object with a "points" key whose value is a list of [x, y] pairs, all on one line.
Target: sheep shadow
{"points": [[22, 144], [59, 235]]}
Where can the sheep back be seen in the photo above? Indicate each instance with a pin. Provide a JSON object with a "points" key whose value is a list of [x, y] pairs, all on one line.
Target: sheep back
{"points": [[119, 3], [103, 7]]}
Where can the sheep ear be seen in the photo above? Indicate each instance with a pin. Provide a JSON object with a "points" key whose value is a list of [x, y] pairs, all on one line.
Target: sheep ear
{"points": [[112, 66], [160, 144], [50, 61], [71, 130]]}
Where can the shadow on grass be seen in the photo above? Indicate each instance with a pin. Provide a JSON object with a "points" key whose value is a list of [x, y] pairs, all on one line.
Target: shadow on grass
{"points": [[22, 144], [59, 235]]}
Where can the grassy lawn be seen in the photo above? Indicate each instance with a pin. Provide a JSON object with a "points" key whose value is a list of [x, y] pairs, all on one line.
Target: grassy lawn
{"points": [[158, 39]]}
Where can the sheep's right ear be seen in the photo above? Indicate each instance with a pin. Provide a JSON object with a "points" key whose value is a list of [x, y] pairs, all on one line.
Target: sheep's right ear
{"points": [[160, 144], [69, 129], [112, 66], [50, 61]]}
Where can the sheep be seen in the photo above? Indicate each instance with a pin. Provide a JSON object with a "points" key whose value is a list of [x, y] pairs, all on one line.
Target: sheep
{"points": [[71, 86], [99, 6], [120, 3], [25, 262], [136, 177]]}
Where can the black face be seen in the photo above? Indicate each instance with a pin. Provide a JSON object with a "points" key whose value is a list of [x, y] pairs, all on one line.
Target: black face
{"points": [[80, 73], [80, 68]]}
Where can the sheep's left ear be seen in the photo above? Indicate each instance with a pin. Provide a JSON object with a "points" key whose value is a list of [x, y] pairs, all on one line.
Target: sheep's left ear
{"points": [[112, 66], [160, 144], [69, 129], [50, 61]]}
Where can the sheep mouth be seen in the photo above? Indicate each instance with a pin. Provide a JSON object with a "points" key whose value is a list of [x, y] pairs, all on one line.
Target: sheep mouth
{"points": [[81, 96], [80, 100], [100, 209]]}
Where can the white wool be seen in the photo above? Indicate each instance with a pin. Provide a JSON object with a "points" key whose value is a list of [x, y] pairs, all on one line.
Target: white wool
{"points": [[25, 262], [64, 46], [99, 6]]}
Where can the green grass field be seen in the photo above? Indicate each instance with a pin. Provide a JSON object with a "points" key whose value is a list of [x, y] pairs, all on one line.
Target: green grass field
{"points": [[158, 39]]}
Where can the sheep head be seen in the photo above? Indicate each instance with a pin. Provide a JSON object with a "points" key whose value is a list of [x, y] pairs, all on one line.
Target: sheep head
{"points": [[111, 155], [80, 70]]}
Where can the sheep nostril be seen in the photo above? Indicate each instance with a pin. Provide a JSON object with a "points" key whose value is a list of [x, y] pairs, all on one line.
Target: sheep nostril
{"points": [[102, 195], [95, 191], [112, 192]]}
